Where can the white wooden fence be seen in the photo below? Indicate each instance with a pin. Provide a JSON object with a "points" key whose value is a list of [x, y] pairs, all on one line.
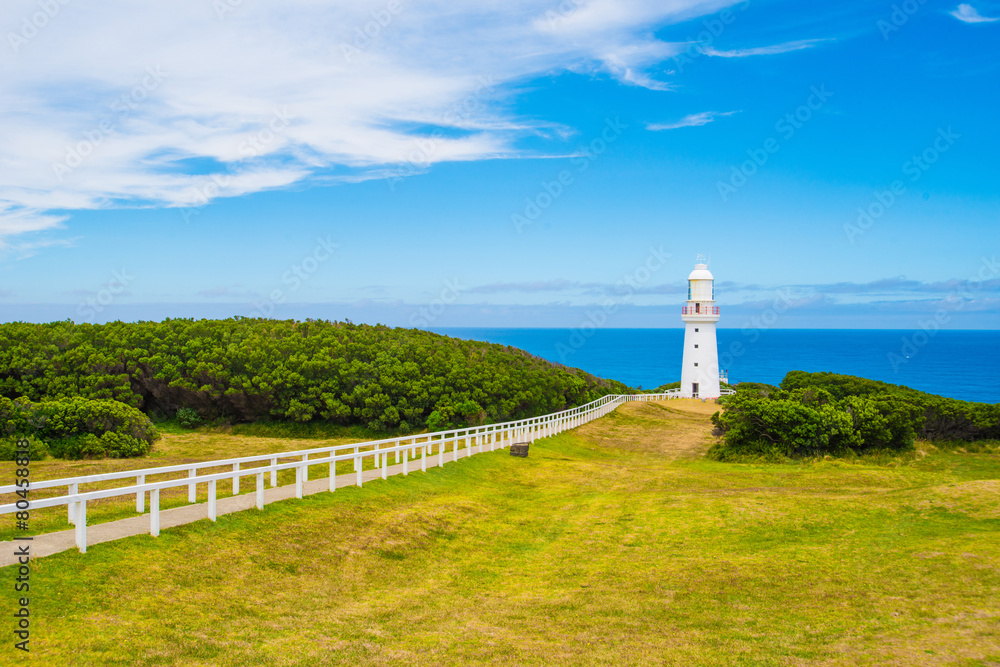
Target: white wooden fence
{"points": [[407, 448]]}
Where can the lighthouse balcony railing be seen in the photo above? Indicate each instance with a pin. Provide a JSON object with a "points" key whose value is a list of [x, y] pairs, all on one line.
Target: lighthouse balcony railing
{"points": [[708, 310]]}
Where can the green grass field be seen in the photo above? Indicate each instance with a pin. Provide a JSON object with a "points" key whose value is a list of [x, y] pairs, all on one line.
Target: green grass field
{"points": [[617, 543]]}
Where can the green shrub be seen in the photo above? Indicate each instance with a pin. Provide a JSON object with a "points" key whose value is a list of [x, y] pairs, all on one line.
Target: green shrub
{"points": [[37, 450], [83, 446], [188, 418], [79, 428], [818, 414], [439, 420], [932, 417]]}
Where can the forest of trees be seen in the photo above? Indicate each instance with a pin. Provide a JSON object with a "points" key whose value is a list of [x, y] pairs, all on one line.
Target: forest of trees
{"points": [[246, 370]]}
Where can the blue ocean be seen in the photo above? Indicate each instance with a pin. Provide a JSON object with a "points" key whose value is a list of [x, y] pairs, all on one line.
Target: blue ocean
{"points": [[960, 364]]}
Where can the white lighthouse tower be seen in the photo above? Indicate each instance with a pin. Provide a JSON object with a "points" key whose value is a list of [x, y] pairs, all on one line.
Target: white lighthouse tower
{"points": [[700, 371]]}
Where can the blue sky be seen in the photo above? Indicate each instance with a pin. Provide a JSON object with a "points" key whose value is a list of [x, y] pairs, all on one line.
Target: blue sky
{"points": [[513, 163]]}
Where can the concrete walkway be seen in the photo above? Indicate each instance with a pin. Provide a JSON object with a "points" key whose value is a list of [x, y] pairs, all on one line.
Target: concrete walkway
{"points": [[51, 543]]}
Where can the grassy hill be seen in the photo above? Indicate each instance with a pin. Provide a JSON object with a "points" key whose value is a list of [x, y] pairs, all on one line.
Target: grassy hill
{"points": [[616, 543]]}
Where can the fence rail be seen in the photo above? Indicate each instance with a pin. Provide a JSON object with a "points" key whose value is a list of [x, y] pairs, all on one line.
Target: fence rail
{"points": [[407, 448]]}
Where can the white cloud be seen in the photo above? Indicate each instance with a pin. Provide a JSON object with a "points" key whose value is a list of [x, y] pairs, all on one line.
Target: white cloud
{"points": [[786, 47], [162, 104], [691, 120], [969, 14]]}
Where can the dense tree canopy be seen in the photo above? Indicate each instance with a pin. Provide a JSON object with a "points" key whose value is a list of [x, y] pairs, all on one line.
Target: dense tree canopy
{"points": [[245, 369]]}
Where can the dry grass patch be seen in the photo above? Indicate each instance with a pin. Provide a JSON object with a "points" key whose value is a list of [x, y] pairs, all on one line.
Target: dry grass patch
{"points": [[674, 428]]}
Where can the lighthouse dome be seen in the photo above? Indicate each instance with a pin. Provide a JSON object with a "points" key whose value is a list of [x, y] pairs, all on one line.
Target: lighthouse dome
{"points": [[701, 272]]}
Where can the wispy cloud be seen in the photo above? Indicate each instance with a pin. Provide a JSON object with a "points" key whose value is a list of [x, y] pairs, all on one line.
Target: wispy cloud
{"points": [[775, 49], [969, 14], [691, 120], [355, 104], [902, 286]]}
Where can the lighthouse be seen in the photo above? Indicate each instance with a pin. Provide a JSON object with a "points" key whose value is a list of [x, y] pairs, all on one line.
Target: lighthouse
{"points": [[700, 371]]}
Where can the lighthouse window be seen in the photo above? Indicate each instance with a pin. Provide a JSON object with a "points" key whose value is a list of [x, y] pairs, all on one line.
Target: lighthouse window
{"points": [[696, 364], [696, 329], [696, 346]]}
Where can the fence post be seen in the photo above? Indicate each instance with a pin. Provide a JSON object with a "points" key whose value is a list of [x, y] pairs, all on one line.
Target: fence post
{"points": [[305, 468], [333, 475], [423, 457], [236, 480], [385, 465], [140, 496], [260, 490], [441, 452], [211, 500], [191, 487], [274, 472], [71, 507], [81, 526], [397, 450], [378, 457], [406, 458], [357, 466], [454, 449], [298, 481], [154, 512]]}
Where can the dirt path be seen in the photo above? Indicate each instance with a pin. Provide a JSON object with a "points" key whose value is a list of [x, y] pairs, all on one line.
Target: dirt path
{"points": [[678, 428]]}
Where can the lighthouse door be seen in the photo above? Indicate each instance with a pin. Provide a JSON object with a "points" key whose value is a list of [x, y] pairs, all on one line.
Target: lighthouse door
{"points": [[694, 390]]}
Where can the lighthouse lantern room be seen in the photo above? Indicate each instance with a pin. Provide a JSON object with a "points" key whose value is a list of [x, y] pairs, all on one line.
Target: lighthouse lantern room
{"points": [[700, 372]]}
